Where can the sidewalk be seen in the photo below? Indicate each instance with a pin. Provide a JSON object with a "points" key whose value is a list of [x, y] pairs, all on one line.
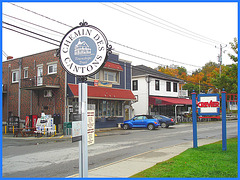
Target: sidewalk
{"points": [[98, 132], [130, 166]]}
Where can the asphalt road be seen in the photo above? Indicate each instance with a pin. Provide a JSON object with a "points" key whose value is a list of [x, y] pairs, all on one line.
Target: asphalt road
{"points": [[35, 157]]}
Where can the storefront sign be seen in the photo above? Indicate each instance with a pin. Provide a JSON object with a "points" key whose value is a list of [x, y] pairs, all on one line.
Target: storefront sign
{"points": [[104, 84], [208, 104], [84, 50]]}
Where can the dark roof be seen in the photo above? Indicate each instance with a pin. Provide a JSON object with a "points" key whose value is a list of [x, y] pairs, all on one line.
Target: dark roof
{"points": [[144, 70]]}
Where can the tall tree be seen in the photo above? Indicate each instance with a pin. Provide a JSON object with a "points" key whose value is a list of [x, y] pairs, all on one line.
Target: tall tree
{"points": [[229, 76], [234, 46]]}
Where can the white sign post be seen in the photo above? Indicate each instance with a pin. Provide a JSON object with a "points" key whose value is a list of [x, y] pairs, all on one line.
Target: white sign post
{"points": [[83, 145], [83, 52]]}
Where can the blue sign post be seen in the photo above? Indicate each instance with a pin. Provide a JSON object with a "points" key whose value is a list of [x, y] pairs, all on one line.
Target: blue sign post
{"points": [[224, 129], [194, 119], [209, 104]]}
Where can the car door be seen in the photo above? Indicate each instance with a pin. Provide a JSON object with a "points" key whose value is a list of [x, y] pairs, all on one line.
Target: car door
{"points": [[144, 122], [138, 121]]}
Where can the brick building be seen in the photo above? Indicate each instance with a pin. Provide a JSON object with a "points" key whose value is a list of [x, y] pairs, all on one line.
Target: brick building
{"points": [[38, 82]]}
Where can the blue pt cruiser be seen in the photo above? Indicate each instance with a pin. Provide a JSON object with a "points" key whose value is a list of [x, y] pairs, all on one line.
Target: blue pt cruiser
{"points": [[141, 121]]}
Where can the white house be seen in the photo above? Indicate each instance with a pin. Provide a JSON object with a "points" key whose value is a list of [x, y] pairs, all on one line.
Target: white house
{"points": [[156, 93]]}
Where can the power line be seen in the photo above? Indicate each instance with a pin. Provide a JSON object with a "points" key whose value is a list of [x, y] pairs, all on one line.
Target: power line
{"points": [[33, 24], [31, 32], [110, 41], [40, 15], [29, 35], [139, 68], [5, 54], [145, 71], [195, 34], [151, 55], [212, 44]]}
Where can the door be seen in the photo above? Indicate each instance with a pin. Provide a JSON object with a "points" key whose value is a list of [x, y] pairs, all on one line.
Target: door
{"points": [[138, 121], [40, 76]]}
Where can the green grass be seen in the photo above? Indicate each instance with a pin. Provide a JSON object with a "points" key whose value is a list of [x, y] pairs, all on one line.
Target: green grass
{"points": [[205, 161]]}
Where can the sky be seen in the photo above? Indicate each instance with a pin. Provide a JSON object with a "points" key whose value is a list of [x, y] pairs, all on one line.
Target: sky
{"points": [[152, 34]]}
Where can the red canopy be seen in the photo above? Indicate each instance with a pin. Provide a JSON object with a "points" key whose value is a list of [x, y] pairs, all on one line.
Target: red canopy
{"points": [[95, 92], [153, 100]]}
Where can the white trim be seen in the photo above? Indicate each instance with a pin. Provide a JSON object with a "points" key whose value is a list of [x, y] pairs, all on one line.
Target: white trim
{"points": [[54, 62], [17, 75], [39, 65], [52, 65], [25, 69]]}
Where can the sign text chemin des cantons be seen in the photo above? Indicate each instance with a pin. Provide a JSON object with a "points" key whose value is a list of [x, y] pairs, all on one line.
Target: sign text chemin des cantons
{"points": [[84, 50]]}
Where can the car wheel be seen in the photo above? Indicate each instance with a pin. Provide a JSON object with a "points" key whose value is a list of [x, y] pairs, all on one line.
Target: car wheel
{"points": [[125, 126], [150, 127], [163, 125]]}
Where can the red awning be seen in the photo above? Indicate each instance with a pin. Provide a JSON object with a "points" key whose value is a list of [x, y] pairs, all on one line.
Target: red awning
{"points": [[153, 100], [114, 66], [95, 92]]}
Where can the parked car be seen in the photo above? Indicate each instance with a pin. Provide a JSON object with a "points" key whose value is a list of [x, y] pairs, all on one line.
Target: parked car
{"points": [[164, 121], [141, 121]]}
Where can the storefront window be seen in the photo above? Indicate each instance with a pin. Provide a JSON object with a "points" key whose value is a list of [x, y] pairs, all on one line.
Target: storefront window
{"points": [[100, 108], [104, 108], [93, 105], [116, 107], [120, 109], [108, 108], [112, 108]]}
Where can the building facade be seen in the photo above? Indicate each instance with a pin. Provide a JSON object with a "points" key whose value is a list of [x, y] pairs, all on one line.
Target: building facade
{"points": [[38, 83], [33, 84], [156, 92], [109, 93]]}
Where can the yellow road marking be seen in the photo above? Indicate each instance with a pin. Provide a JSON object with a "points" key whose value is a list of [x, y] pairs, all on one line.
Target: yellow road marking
{"points": [[51, 137], [61, 136]]}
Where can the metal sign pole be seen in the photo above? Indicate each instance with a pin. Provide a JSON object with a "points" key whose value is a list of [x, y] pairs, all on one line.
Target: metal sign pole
{"points": [[83, 146], [224, 130], [194, 120]]}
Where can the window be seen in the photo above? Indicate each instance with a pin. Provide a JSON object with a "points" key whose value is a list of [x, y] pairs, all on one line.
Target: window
{"points": [[110, 76], [25, 73], [157, 85], [135, 85], [52, 68], [168, 86], [15, 76], [109, 108], [95, 76], [175, 87]]}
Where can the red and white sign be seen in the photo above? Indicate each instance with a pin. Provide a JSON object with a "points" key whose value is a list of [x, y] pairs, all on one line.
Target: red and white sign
{"points": [[208, 104]]}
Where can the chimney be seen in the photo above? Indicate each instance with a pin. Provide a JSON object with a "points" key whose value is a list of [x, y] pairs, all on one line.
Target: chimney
{"points": [[9, 57]]}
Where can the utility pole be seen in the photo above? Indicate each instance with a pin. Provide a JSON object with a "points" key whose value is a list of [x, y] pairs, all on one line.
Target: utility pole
{"points": [[220, 59]]}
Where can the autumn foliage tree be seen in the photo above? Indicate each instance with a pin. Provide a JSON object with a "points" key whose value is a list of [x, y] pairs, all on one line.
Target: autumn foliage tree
{"points": [[209, 77], [228, 79], [200, 80]]}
